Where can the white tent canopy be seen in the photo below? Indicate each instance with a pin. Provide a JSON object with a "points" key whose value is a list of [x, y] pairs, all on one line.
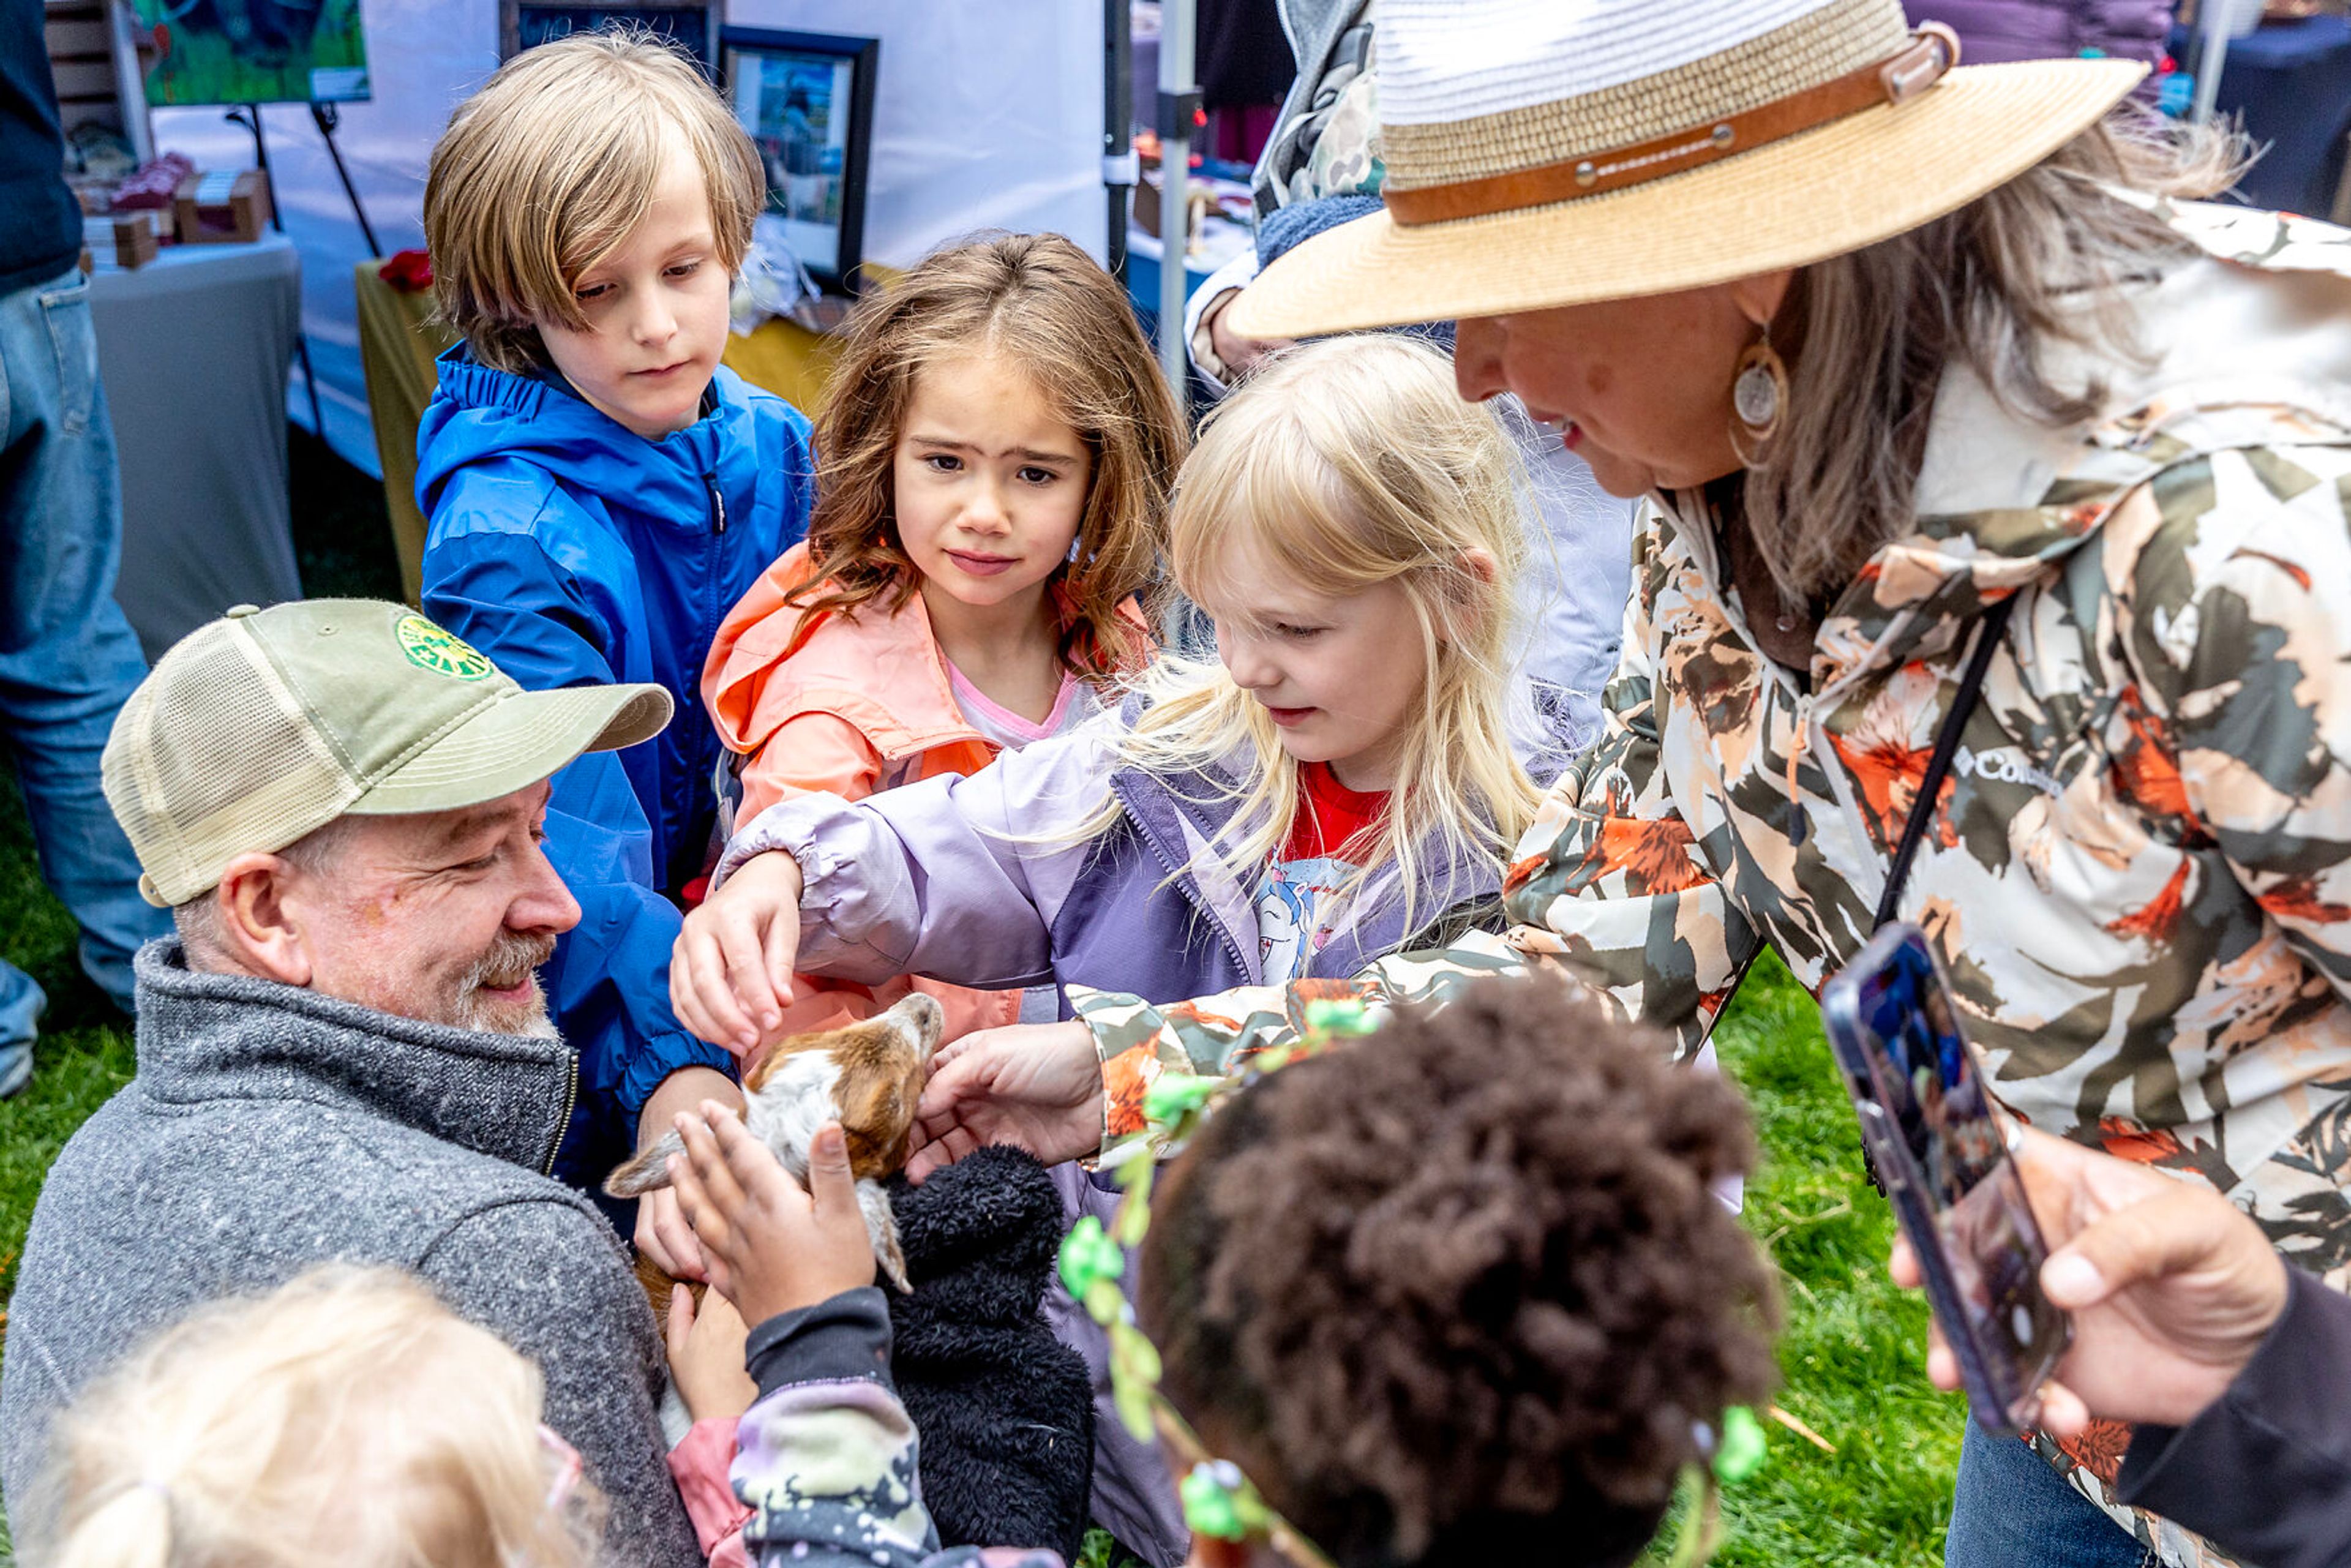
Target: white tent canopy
{"points": [[986, 116]]}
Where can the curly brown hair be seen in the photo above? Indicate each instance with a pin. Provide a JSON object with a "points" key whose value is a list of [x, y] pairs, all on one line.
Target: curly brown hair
{"points": [[1041, 300], [1458, 1292]]}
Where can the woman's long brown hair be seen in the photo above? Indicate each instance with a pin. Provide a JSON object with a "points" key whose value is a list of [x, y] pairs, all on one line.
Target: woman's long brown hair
{"points": [[1043, 303]]}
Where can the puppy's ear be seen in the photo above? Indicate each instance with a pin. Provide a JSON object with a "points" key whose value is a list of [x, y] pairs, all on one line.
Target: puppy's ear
{"points": [[649, 1172]]}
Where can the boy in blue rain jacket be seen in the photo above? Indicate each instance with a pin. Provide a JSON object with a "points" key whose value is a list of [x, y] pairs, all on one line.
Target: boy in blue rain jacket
{"points": [[600, 492]]}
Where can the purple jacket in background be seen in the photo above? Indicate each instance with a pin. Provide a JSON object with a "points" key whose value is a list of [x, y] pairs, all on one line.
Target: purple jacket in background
{"points": [[1991, 31]]}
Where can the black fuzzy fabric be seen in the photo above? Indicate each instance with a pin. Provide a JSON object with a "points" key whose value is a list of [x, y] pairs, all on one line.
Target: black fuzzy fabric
{"points": [[1005, 1410]]}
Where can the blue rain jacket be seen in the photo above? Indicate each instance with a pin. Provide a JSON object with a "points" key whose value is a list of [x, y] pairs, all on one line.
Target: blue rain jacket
{"points": [[571, 551]]}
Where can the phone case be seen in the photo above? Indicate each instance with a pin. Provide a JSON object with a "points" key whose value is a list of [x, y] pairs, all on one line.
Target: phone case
{"points": [[2003, 1399]]}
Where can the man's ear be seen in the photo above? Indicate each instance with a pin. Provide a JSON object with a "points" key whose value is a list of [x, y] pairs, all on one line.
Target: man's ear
{"points": [[258, 931]]}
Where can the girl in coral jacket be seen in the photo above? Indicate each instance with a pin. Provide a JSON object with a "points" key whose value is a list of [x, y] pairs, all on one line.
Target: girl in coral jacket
{"points": [[997, 455]]}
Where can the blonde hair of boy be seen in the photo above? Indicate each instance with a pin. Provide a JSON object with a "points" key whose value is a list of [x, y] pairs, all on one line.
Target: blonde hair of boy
{"points": [[1341, 466], [346, 1418], [544, 172]]}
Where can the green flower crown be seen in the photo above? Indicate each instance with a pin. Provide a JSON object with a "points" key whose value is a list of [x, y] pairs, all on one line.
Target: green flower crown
{"points": [[1218, 1500]]}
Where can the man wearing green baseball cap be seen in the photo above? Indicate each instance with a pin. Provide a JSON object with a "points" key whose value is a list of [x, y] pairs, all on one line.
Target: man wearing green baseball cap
{"points": [[345, 1054]]}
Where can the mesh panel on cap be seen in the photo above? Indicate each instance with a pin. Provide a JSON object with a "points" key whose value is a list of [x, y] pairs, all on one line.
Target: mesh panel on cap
{"points": [[220, 761]]}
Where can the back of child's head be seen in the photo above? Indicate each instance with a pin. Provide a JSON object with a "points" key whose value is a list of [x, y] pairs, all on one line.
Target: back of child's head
{"points": [[1043, 306], [1345, 464], [346, 1417], [1456, 1293], [546, 170]]}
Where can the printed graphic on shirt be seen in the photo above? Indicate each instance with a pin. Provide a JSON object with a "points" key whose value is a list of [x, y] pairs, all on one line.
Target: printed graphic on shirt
{"points": [[1297, 910]]}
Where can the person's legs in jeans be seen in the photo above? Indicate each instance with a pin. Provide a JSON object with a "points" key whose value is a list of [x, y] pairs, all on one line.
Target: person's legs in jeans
{"points": [[2009, 1509], [67, 655]]}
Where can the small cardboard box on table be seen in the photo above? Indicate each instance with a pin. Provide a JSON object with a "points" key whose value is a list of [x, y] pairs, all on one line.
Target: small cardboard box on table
{"points": [[224, 208]]}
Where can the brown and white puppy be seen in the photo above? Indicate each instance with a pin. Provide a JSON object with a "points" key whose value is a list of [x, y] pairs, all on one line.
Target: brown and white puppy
{"points": [[866, 1076]]}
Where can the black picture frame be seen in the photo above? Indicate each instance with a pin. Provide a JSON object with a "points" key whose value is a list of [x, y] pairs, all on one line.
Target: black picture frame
{"points": [[817, 184], [693, 24]]}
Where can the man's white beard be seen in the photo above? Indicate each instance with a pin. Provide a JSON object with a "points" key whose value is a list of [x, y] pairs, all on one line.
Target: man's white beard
{"points": [[538, 1026], [477, 1012]]}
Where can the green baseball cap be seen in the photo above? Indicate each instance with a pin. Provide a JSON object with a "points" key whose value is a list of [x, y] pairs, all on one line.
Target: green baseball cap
{"points": [[267, 724]]}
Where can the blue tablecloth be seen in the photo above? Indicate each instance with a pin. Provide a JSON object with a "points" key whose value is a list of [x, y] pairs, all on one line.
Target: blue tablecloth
{"points": [[2291, 81]]}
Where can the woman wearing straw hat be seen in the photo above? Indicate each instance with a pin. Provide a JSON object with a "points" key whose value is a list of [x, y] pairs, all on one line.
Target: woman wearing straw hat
{"points": [[1956, 425]]}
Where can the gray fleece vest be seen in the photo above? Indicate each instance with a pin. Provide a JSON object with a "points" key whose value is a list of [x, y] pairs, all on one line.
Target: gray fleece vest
{"points": [[271, 1128]]}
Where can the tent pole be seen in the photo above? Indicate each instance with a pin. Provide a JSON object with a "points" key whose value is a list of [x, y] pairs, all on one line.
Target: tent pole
{"points": [[2214, 16], [1118, 126], [1179, 114]]}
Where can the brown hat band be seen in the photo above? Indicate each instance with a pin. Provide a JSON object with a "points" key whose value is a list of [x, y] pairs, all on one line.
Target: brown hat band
{"points": [[1933, 50]]}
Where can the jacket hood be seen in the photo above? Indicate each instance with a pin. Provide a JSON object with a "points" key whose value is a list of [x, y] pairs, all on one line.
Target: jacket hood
{"points": [[2002, 501], [204, 1036], [481, 414], [881, 672]]}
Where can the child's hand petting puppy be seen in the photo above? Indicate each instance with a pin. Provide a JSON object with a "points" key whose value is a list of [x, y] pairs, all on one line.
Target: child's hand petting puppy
{"points": [[706, 1356], [730, 973], [771, 1247]]}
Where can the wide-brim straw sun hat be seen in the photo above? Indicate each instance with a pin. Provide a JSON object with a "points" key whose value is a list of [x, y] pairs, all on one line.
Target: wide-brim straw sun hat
{"points": [[1549, 153]]}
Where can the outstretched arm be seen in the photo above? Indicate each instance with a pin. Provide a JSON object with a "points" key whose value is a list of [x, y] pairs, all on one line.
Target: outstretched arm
{"points": [[1067, 1090], [956, 879]]}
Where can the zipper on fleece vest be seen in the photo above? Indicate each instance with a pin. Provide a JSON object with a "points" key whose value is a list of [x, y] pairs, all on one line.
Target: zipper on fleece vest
{"points": [[570, 1100]]}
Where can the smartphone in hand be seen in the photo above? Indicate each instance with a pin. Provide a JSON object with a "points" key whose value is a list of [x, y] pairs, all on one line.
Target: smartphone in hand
{"points": [[1929, 1125]]}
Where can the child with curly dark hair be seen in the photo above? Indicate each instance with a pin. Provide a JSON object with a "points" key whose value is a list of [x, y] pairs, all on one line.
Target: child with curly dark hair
{"points": [[1458, 1293], [1461, 1293]]}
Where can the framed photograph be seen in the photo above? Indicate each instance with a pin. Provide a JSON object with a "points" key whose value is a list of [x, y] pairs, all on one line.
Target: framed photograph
{"points": [[806, 101], [693, 24], [254, 51]]}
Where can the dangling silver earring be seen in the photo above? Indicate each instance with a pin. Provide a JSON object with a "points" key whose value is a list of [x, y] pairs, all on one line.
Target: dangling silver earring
{"points": [[1759, 396]]}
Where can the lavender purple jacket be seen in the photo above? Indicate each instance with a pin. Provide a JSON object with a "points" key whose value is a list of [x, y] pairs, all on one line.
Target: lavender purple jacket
{"points": [[980, 881], [1994, 30]]}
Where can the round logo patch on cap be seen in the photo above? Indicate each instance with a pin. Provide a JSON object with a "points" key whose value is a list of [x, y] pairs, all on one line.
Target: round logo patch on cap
{"points": [[429, 646]]}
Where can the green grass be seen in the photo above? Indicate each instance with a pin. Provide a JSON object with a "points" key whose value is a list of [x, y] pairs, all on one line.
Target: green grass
{"points": [[1853, 1352], [84, 1054], [1853, 1356]]}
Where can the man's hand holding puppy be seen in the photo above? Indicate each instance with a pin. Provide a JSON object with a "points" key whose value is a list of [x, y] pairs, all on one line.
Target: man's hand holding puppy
{"points": [[771, 1247]]}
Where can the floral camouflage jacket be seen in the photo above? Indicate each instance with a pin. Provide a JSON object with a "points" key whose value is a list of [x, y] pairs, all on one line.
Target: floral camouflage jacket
{"points": [[2139, 873]]}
